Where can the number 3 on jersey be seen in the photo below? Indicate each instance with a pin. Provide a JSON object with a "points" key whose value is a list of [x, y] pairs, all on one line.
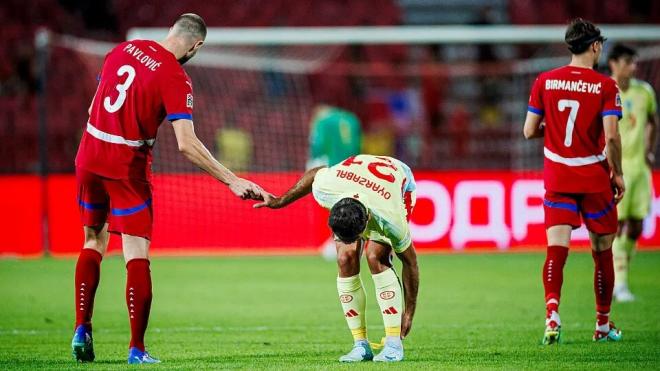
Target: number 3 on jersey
{"points": [[121, 88], [574, 106]]}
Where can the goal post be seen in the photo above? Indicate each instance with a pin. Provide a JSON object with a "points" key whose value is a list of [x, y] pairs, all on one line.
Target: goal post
{"points": [[401, 34]]}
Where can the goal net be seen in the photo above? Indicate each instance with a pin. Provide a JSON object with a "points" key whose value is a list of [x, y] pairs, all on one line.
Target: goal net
{"points": [[455, 100]]}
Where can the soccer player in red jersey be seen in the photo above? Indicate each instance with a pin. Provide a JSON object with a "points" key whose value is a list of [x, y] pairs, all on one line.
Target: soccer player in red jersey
{"points": [[141, 83], [582, 169]]}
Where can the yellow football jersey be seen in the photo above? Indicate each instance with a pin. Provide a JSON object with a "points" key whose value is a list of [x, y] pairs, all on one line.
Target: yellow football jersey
{"points": [[384, 185], [638, 103]]}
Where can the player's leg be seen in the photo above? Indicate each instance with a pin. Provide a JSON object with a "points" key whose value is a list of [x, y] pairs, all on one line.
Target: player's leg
{"points": [[93, 207], [138, 295], [603, 286], [600, 217], [561, 216], [132, 216], [88, 272], [632, 209], [559, 237], [353, 299], [622, 244], [389, 296], [623, 249]]}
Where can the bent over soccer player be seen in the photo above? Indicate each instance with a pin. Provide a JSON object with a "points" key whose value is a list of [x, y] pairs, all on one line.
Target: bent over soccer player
{"points": [[370, 200], [141, 83], [582, 169]]}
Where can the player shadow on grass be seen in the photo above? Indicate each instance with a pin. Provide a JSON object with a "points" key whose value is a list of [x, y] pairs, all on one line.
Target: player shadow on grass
{"points": [[240, 360], [118, 361]]}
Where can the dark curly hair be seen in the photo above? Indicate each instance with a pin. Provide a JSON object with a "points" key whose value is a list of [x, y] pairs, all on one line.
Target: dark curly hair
{"points": [[348, 219]]}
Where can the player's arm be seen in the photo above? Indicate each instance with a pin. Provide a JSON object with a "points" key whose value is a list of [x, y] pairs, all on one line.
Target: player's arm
{"points": [[410, 275], [198, 154], [533, 127], [300, 189], [651, 137], [613, 145]]}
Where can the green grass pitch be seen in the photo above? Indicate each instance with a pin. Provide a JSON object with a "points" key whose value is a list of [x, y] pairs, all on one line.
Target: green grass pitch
{"points": [[475, 311]]}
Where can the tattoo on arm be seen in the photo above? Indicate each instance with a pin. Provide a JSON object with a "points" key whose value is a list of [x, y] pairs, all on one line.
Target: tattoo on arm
{"points": [[300, 189]]}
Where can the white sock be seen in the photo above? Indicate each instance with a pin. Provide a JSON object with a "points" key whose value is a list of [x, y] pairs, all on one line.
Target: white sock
{"points": [[396, 340], [554, 316], [603, 328]]}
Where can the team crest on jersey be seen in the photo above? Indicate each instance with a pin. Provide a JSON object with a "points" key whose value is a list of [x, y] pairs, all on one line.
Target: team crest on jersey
{"points": [[387, 295], [189, 101], [618, 100]]}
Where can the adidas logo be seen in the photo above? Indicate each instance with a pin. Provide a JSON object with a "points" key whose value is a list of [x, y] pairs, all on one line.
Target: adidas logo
{"points": [[390, 310], [351, 313]]}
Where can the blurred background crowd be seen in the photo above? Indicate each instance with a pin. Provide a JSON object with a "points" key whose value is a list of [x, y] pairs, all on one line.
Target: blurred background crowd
{"points": [[434, 106]]}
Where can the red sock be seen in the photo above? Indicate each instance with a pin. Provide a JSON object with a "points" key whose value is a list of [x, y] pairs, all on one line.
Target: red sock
{"points": [[603, 283], [88, 274], [138, 299], [553, 276]]}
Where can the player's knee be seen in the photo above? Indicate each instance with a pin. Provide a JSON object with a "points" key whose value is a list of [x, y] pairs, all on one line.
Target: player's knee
{"points": [[130, 254], [347, 258], [377, 259], [95, 244], [602, 242], [135, 247], [96, 240]]}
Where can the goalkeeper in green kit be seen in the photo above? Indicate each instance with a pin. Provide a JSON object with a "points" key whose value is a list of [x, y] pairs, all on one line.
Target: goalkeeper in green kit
{"points": [[335, 135], [638, 129]]}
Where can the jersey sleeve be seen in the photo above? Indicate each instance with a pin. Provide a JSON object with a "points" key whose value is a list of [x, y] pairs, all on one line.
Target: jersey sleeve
{"points": [[611, 99], [177, 94], [323, 191], [536, 98]]}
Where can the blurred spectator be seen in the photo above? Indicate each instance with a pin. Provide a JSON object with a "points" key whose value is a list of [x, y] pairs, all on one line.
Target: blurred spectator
{"points": [[459, 129], [334, 135], [234, 148]]}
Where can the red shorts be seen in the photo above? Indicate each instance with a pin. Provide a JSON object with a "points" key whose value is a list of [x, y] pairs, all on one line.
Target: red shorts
{"points": [[597, 210], [124, 203]]}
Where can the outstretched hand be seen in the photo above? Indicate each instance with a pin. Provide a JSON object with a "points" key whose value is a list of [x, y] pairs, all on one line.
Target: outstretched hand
{"points": [[248, 190], [270, 201]]}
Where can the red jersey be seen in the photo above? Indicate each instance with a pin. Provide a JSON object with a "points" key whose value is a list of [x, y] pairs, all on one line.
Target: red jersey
{"points": [[141, 83], [574, 101]]}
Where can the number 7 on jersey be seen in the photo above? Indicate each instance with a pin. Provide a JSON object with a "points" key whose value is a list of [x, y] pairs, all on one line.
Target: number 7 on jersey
{"points": [[574, 106]]}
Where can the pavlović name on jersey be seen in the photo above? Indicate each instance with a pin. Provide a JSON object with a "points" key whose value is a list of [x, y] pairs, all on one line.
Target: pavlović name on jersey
{"points": [[366, 183], [575, 86], [142, 57]]}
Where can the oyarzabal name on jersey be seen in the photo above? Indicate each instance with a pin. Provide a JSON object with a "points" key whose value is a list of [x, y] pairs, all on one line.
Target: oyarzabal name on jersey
{"points": [[142, 57], [373, 186], [575, 86]]}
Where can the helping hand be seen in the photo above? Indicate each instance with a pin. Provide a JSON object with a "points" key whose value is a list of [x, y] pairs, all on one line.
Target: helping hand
{"points": [[246, 189], [270, 201]]}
